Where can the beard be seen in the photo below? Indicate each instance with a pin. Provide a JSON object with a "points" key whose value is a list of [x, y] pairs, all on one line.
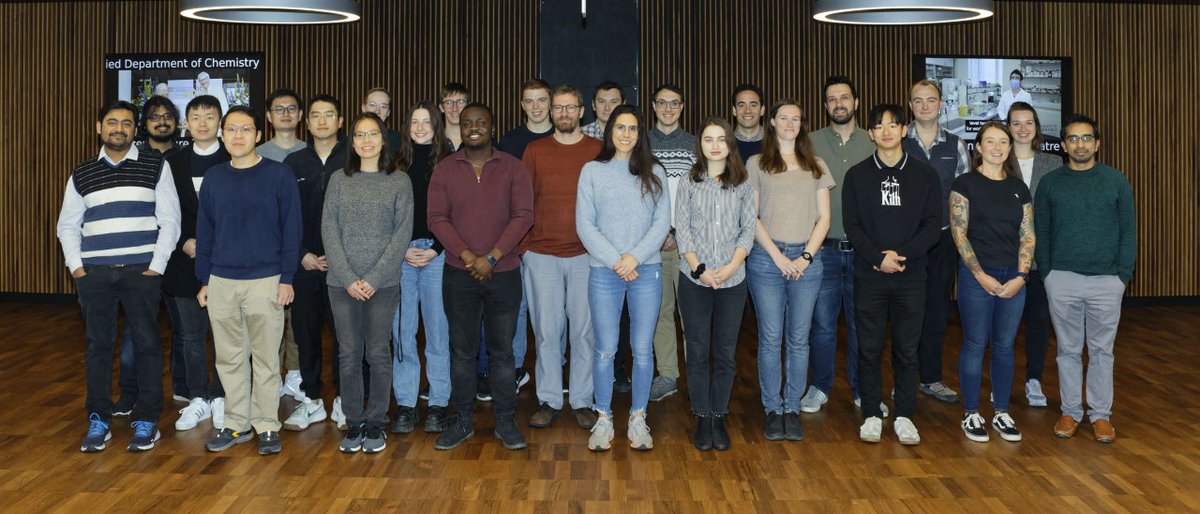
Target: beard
{"points": [[843, 119], [164, 137], [566, 125]]}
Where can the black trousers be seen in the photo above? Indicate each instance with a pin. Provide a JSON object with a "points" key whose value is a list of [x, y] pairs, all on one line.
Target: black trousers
{"points": [[494, 303], [875, 300], [1037, 326], [943, 265], [711, 321], [101, 291], [310, 312]]}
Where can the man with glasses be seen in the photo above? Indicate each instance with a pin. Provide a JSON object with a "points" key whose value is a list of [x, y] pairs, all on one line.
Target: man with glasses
{"points": [[555, 264], [748, 110], [313, 166], [607, 96], [379, 102], [118, 224], [451, 100], [675, 148], [1086, 245]]}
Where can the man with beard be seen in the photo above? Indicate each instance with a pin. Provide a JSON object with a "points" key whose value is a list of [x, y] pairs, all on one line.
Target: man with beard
{"points": [[160, 119], [555, 265], [118, 224], [607, 96], [748, 110], [480, 206], [1086, 244], [841, 145]]}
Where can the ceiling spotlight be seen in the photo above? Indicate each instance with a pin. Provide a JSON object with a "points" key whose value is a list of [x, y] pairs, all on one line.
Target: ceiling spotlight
{"points": [[272, 12], [900, 12]]}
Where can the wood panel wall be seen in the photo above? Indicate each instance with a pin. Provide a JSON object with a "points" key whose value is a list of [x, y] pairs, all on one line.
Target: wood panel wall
{"points": [[1134, 70]]}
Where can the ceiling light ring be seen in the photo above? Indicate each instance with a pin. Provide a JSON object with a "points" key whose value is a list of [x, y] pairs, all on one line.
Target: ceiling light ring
{"points": [[272, 12], [905, 12]]}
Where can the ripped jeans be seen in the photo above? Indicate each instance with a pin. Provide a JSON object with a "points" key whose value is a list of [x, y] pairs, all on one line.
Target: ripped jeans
{"points": [[606, 294]]}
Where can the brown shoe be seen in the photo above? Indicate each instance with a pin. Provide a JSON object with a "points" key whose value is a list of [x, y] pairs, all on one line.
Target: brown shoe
{"points": [[585, 418], [1065, 427], [1104, 431], [544, 417]]}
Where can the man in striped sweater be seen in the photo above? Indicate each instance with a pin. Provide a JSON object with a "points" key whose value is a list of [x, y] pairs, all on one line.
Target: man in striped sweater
{"points": [[118, 225]]}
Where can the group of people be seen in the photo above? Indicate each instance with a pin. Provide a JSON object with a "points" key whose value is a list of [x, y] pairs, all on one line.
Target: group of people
{"points": [[595, 235]]}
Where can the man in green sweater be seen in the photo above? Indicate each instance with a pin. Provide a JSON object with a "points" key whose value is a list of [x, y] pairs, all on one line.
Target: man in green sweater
{"points": [[1087, 244]]}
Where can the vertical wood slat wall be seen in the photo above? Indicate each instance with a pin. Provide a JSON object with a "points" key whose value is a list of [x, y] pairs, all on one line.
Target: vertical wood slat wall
{"points": [[1134, 70]]}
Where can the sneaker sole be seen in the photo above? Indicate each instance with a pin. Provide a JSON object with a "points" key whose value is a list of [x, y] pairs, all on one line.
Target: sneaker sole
{"points": [[940, 398], [439, 446], [269, 451], [185, 428], [374, 450], [238, 440], [145, 447], [97, 448], [122, 413], [483, 398], [355, 449], [1032, 403], [665, 395], [1011, 438], [518, 446], [642, 448], [868, 439], [979, 439], [811, 410], [910, 442], [794, 438]]}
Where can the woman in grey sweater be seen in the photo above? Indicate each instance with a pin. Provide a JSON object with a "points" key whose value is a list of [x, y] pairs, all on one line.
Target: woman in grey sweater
{"points": [[366, 227]]}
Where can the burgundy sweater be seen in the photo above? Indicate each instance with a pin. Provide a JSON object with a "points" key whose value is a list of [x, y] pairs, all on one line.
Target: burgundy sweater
{"points": [[494, 211]]}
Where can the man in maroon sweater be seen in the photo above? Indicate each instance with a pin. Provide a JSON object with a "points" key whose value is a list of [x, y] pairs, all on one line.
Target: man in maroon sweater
{"points": [[480, 206]]}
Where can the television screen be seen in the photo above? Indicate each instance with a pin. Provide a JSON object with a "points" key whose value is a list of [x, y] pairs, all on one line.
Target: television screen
{"points": [[979, 89], [233, 78]]}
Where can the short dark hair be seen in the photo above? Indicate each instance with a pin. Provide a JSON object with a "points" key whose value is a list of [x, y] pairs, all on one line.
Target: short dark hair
{"points": [[834, 80], [451, 88], [481, 105], [605, 86], [117, 105], [327, 98], [204, 102], [243, 109], [535, 83], [668, 87], [283, 92], [1080, 118], [875, 117], [742, 88], [154, 102], [1018, 73]]}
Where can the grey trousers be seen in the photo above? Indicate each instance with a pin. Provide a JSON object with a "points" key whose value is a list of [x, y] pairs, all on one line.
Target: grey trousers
{"points": [[364, 330], [557, 291], [1085, 311]]}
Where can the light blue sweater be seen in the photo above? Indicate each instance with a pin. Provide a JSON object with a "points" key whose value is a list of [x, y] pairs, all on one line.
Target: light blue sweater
{"points": [[613, 215]]}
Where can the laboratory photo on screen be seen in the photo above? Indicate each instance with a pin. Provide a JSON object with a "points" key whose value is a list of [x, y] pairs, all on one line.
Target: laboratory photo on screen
{"points": [[979, 89]]}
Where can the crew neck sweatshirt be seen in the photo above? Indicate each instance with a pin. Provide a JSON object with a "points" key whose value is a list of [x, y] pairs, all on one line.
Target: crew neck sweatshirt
{"points": [[366, 227], [615, 216], [892, 207], [1085, 222]]}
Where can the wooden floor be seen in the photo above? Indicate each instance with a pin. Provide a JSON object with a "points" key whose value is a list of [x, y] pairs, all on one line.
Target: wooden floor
{"points": [[1153, 466]]}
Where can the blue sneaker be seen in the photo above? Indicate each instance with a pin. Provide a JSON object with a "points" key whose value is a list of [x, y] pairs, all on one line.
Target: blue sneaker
{"points": [[97, 435], [145, 433]]}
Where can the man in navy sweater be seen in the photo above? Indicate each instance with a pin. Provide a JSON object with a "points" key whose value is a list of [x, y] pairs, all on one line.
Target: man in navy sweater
{"points": [[248, 231]]}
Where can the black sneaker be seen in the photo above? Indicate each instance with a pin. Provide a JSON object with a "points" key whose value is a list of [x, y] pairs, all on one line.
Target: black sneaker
{"points": [[145, 434], [702, 438], [435, 419], [268, 443], [720, 436], [225, 438], [406, 420], [124, 406], [97, 436], [353, 440], [483, 389], [773, 429], [792, 429], [509, 434], [423, 393], [522, 377], [975, 428], [1006, 427], [459, 428]]}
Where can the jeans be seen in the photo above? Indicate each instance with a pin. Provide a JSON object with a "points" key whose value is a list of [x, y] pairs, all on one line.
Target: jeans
{"points": [[127, 381], [606, 293], [987, 319], [365, 332], [836, 297], [1037, 326], [876, 299], [1086, 311], [494, 304], [191, 339], [711, 320], [557, 291], [421, 293], [778, 300], [101, 290], [939, 281]]}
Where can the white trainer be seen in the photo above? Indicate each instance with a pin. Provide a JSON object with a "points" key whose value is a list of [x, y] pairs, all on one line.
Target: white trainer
{"points": [[639, 432], [906, 432], [813, 400], [197, 410], [291, 386], [1033, 393], [218, 413], [602, 434], [871, 430], [336, 414], [306, 413]]}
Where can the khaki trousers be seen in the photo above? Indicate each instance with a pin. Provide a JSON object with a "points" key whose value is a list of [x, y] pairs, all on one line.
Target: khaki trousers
{"points": [[247, 328]]}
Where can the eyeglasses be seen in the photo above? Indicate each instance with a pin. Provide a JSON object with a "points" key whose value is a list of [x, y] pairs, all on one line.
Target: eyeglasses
{"points": [[290, 109], [155, 118], [663, 104], [1086, 138], [329, 115], [235, 130], [571, 109], [454, 103], [379, 106], [370, 134]]}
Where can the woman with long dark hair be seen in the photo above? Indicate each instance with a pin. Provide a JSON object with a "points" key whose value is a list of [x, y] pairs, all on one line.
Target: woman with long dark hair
{"points": [[622, 216], [792, 188], [366, 226], [715, 220]]}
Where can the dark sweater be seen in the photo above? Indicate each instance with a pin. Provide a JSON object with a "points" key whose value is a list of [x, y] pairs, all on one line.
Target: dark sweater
{"points": [[892, 208], [186, 167], [248, 224], [1085, 222], [419, 172], [515, 140], [312, 176]]}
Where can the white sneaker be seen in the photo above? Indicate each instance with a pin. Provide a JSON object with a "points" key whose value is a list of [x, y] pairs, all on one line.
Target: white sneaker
{"points": [[336, 415], [871, 430], [639, 433], [306, 413], [975, 428], [1033, 393], [813, 400], [906, 432], [883, 410], [218, 413], [197, 410], [1006, 427], [291, 386], [602, 434]]}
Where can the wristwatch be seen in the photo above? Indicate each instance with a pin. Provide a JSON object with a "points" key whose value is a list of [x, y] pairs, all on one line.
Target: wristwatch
{"points": [[806, 256], [1023, 275], [698, 271], [491, 260]]}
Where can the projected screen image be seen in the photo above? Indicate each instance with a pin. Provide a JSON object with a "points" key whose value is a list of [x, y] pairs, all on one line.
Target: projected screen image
{"points": [[978, 89]]}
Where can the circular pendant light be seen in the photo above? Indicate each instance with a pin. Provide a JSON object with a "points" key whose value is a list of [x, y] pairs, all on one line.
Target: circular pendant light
{"points": [[272, 12], [900, 12]]}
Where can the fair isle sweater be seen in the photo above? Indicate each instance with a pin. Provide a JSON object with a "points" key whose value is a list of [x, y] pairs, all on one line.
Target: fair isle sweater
{"points": [[677, 153]]}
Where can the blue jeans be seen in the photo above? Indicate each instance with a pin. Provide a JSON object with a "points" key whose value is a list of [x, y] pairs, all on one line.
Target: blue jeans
{"points": [[836, 297], [987, 319], [421, 294], [128, 377], [606, 294], [777, 300]]}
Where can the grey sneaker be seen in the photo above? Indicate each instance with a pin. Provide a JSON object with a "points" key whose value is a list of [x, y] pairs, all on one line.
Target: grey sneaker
{"points": [[1033, 393], [813, 400], [376, 440], [940, 391], [639, 433], [225, 438], [353, 440], [602, 434], [662, 387], [268, 443]]}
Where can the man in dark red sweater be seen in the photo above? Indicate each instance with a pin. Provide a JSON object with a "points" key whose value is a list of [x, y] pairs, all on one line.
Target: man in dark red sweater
{"points": [[480, 206]]}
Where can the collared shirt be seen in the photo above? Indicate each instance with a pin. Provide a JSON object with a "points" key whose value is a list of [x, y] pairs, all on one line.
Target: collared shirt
{"points": [[493, 210], [948, 157], [839, 157], [593, 129], [712, 222]]}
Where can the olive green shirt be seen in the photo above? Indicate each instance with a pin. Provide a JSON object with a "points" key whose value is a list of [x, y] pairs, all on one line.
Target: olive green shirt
{"points": [[840, 156]]}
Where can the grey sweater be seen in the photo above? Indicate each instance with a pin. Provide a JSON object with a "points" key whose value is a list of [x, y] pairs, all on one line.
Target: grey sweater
{"points": [[366, 227], [613, 216]]}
